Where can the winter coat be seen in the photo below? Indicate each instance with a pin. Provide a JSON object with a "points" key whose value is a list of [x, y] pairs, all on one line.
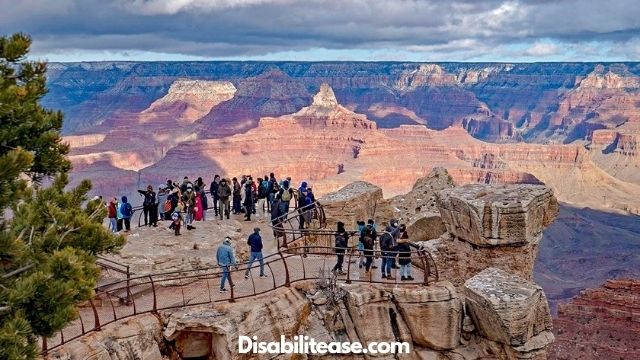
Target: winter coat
{"points": [[224, 191], [123, 207], [404, 253], [255, 241], [112, 210], [342, 241], [224, 255], [149, 197], [205, 201], [386, 241], [248, 195], [214, 189]]}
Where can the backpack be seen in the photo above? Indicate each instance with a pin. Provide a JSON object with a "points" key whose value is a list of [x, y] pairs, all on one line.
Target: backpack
{"points": [[262, 189], [286, 195], [167, 206], [128, 210], [341, 242], [274, 187], [386, 241]]}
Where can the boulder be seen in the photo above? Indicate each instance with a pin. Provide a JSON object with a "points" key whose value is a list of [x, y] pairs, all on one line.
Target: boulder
{"points": [[283, 312], [432, 313], [359, 200], [139, 337], [491, 215], [509, 310]]}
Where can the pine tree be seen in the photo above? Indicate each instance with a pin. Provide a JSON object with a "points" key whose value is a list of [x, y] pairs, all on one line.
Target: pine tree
{"points": [[49, 236]]}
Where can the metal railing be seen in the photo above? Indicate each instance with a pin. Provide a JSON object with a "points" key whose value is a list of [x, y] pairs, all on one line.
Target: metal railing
{"points": [[300, 258]]}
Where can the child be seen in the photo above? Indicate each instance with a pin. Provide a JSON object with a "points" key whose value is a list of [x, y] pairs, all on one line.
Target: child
{"points": [[177, 219]]}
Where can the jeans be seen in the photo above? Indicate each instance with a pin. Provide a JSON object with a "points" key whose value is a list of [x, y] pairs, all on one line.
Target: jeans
{"points": [[225, 276], [224, 208], [284, 207], [256, 256], [113, 225], [386, 262], [261, 204], [338, 265], [247, 211], [146, 209], [215, 204], [405, 270], [368, 262], [237, 204]]}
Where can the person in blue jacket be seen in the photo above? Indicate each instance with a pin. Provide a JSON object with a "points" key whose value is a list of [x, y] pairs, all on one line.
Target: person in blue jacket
{"points": [[225, 259], [255, 243], [127, 212]]}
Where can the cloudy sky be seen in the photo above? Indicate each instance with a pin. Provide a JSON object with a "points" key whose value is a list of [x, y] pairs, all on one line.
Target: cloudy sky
{"points": [[404, 30]]}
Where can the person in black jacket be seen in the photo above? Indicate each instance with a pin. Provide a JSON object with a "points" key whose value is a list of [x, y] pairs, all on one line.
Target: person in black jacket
{"points": [[342, 241], [367, 238], [403, 250], [386, 248], [248, 201], [255, 243], [214, 193], [149, 206]]}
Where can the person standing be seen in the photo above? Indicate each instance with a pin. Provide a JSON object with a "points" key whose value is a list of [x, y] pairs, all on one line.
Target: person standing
{"points": [[302, 204], [197, 210], [204, 202], [386, 248], [285, 194], [148, 203], [119, 217], [127, 213], [214, 193], [404, 257], [248, 201], [262, 196], [368, 238], [189, 199], [237, 196], [255, 243], [225, 259], [224, 191], [113, 213], [341, 244], [162, 198]]}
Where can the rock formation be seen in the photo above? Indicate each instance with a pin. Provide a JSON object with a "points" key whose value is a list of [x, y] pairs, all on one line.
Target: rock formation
{"points": [[600, 323]]}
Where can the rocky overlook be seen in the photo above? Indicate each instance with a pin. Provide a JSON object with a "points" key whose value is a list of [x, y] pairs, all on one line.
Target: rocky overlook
{"points": [[491, 310]]}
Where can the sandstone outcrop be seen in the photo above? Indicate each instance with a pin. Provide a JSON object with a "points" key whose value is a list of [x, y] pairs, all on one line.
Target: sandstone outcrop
{"points": [[354, 202], [497, 215], [511, 311], [600, 323], [139, 337]]}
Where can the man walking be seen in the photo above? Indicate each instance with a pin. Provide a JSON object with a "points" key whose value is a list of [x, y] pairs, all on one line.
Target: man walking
{"points": [[225, 259], [255, 242], [341, 244]]}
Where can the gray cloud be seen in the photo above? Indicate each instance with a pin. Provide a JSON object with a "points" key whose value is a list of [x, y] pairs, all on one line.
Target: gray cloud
{"points": [[463, 29]]}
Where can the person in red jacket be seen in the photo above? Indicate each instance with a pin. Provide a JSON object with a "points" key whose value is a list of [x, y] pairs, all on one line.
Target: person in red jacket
{"points": [[111, 207]]}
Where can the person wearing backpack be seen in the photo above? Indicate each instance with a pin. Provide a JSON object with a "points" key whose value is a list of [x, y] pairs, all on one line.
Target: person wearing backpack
{"points": [[273, 188], [127, 213], [285, 194], [341, 244], [255, 244], [224, 191], [404, 257]]}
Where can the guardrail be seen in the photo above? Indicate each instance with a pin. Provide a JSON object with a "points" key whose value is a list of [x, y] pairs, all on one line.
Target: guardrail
{"points": [[178, 289], [299, 259]]}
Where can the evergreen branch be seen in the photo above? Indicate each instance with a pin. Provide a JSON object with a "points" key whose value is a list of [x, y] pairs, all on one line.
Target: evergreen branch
{"points": [[17, 271]]}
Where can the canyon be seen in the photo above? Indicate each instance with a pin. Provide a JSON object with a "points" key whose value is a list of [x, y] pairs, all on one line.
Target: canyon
{"points": [[574, 127]]}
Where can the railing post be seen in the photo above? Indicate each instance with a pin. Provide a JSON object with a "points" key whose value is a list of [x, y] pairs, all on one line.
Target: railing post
{"points": [[426, 269], [44, 346], [287, 281], [230, 284], [349, 266], [155, 299], [129, 296], [96, 318]]}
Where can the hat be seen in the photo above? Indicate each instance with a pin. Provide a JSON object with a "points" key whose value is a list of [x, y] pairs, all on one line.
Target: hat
{"points": [[227, 240], [256, 229], [370, 221]]}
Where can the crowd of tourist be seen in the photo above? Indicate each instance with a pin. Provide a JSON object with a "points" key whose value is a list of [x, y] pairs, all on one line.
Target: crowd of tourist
{"points": [[187, 202]]}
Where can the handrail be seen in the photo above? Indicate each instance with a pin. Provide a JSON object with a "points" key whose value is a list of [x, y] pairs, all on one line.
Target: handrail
{"points": [[181, 288]]}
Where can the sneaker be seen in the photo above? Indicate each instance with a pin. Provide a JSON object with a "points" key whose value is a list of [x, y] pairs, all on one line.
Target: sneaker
{"points": [[223, 291], [246, 276], [264, 276], [395, 267], [342, 272], [374, 267], [390, 277], [384, 276], [410, 278], [404, 278], [360, 266]]}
